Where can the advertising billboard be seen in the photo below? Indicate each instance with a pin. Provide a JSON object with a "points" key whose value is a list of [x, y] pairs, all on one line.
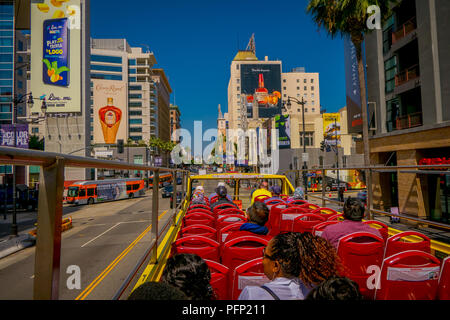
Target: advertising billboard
{"points": [[7, 135], [56, 46], [283, 125], [352, 88], [332, 128], [262, 83], [110, 111]]}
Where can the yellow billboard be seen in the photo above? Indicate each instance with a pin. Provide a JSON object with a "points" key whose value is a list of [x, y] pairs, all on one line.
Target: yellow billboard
{"points": [[332, 128], [110, 111], [56, 53]]}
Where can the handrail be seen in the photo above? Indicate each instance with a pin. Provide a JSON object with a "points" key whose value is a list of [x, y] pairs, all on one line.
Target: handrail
{"points": [[405, 29]]}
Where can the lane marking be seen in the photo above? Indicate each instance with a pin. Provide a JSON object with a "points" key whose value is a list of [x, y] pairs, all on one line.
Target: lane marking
{"points": [[113, 264], [100, 235]]}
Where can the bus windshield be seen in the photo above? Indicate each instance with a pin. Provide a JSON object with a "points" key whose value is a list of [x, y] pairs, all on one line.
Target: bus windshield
{"points": [[73, 192]]}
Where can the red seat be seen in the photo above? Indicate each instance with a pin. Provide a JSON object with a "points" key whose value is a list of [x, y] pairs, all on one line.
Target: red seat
{"points": [[230, 211], [318, 228], [223, 206], [275, 201], [199, 210], [297, 202], [273, 224], [239, 250], [336, 217], [325, 212], [199, 230], [284, 197], [305, 222], [206, 248], [223, 233], [250, 273], [214, 199], [358, 251], [199, 206], [287, 217], [261, 198], [309, 206], [402, 280], [396, 243], [444, 280], [381, 227], [219, 279], [228, 219], [199, 218]]}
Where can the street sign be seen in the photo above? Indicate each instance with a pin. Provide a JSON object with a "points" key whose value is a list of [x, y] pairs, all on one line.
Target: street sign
{"points": [[305, 157]]}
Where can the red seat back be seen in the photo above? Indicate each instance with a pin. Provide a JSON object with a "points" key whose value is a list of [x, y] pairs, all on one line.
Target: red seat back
{"points": [[250, 273], [297, 202], [214, 199], [199, 230], [402, 280], [317, 230], [228, 219], [444, 280], [305, 222], [239, 250], [287, 217], [309, 206], [222, 206], [219, 279], [198, 218], [380, 226], [230, 211], [199, 210], [396, 243], [225, 231], [336, 217], [199, 206], [284, 197], [206, 248], [275, 201], [273, 224], [325, 212], [358, 251], [261, 198]]}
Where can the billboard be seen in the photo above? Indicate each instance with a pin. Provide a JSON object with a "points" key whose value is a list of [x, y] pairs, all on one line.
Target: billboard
{"points": [[262, 83], [7, 135], [352, 88], [56, 44], [283, 125], [110, 111], [332, 128]]}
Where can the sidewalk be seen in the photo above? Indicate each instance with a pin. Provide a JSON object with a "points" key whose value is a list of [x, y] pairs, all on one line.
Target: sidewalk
{"points": [[25, 223]]}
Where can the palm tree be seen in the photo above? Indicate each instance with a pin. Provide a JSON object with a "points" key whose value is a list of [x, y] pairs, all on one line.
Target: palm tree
{"points": [[349, 18]]}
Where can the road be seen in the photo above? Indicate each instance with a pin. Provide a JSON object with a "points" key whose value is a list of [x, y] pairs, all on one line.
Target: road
{"points": [[101, 243]]}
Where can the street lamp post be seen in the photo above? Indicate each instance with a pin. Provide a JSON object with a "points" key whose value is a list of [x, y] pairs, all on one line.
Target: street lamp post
{"points": [[305, 166]]}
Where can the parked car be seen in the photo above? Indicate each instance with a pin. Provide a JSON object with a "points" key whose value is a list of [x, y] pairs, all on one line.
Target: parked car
{"points": [[332, 185], [179, 181], [167, 191]]}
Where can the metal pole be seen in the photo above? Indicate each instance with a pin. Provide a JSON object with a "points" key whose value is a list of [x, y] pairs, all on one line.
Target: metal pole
{"points": [[305, 182], [48, 244], [175, 196], [323, 186], [155, 211], [14, 217], [337, 159]]}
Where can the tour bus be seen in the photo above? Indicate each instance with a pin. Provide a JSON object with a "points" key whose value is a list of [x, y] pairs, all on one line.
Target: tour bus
{"points": [[90, 192]]}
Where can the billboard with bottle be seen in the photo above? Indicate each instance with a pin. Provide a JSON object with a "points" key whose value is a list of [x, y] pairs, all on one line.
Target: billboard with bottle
{"points": [[56, 46], [110, 111]]}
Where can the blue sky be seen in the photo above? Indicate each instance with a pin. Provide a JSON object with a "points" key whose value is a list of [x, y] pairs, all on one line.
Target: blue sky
{"points": [[195, 42]]}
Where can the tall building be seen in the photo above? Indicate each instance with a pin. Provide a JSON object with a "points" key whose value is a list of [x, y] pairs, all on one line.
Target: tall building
{"points": [[163, 92], [175, 123], [300, 84], [409, 99]]}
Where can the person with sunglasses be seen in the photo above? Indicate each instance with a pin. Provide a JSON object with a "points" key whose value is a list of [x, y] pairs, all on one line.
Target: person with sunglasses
{"points": [[294, 263]]}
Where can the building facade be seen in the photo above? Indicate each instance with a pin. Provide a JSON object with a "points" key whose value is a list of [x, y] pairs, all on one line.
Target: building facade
{"points": [[409, 90], [175, 123]]}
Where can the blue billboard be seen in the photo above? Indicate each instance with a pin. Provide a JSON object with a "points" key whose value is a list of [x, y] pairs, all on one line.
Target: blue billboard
{"points": [[56, 46]]}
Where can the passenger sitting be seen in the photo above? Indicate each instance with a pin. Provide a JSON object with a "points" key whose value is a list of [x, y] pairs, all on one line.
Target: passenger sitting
{"points": [[157, 291], [257, 216], [190, 274], [222, 193], [295, 263], [199, 196], [220, 184], [263, 190], [276, 193], [353, 214], [336, 289], [299, 194]]}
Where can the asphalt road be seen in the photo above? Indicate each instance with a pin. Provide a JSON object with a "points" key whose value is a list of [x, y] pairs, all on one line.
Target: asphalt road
{"points": [[101, 243]]}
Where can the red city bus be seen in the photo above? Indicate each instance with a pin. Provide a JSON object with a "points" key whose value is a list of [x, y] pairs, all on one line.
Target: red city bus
{"points": [[90, 192]]}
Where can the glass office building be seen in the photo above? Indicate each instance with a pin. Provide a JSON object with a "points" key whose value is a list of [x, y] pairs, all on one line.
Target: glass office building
{"points": [[6, 60]]}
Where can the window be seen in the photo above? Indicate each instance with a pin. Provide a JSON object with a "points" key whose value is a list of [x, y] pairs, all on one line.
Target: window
{"points": [[106, 59], [106, 76], [135, 113], [6, 58], [313, 102], [98, 67], [312, 95], [312, 88], [304, 80], [305, 88], [91, 192], [135, 96], [35, 130], [312, 80], [135, 88], [132, 79], [298, 80], [284, 80], [237, 67], [136, 186], [298, 88], [284, 88], [82, 193], [132, 71], [129, 187], [135, 104], [238, 81], [131, 62], [238, 88], [390, 67], [313, 110], [306, 110], [135, 121], [20, 84], [309, 139]]}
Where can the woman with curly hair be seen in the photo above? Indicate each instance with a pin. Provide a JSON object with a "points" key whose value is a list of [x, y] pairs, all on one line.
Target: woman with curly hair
{"points": [[295, 263], [190, 274]]}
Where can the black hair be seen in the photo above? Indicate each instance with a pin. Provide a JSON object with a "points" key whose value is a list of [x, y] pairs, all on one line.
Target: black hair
{"points": [[310, 258], [258, 213], [353, 209], [157, 291], [221, 192], [336, 288], [190, 274]]}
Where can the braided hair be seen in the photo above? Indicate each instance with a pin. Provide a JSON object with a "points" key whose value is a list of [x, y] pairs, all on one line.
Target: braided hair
{"points": [[190, 274], [310, 258]]}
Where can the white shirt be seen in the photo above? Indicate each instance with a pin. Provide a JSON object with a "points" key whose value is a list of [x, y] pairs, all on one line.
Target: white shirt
{"points": [[284, 288]]}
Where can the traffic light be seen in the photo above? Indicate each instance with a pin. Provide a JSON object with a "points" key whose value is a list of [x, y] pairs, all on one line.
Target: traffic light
{"points": [[322, 146], [119, 146]]}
